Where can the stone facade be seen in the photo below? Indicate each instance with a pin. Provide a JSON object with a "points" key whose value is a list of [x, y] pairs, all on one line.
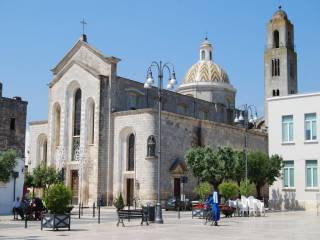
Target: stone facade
{"points": [[100, 126], [280, 59], [179, 133], [13, 112]]}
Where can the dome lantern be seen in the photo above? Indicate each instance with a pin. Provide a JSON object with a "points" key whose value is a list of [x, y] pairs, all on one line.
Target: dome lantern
{"points": [[206, 50]]}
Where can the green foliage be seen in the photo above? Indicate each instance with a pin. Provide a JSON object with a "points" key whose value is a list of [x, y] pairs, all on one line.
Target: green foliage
{"points": [[44, 176], [58, 198], [262, 169], [240, 166], [118, 202], [247, 190], [7, 164], [211, 165], [229, 189], [29, 180], [203, 190]]}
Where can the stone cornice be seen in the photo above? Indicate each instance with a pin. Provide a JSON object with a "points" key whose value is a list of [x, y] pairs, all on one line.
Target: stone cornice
{"points": [[38, 122], [206, 123]]}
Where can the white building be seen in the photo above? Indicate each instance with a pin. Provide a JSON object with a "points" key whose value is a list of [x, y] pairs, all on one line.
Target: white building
{"points": [[12, 189], [293, 134]]}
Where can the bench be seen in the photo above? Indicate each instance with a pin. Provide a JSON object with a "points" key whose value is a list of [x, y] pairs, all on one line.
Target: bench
{"points": [[132, 214]]}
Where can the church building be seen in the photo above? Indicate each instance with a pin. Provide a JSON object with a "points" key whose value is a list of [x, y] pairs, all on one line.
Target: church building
{"points": [[102, 129]]}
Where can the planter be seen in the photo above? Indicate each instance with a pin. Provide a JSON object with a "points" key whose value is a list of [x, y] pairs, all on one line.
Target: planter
{"points": [[55, 221], [226, 210]]}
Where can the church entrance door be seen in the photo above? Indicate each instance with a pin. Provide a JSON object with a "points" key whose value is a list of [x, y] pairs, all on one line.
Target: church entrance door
{"points": [[130, 190], [176, 187], [74, 186]]}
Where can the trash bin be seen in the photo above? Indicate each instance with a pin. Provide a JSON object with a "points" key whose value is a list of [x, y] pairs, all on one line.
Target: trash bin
{"points": [[150, 210]]}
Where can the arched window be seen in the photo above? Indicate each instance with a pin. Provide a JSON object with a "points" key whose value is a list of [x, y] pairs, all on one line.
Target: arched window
{"points": [[130, 163], [273, 93], [76, 125], [203, 55], [151, 146], [77, 113], [44, 153], [57, 117], [278, 92], [210, 55], [276, 39]]}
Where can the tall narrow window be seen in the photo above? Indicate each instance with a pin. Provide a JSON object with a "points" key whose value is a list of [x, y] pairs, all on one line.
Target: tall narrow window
{"points": [[203, 55], [273, 93], [210, 55], [272, 67], [289, 40], [288, 174], [311, 173], [287, 128], [77, 113], [310, 125], [12, 124], [275, 67], [76, 125], [278, 92], [276, 39], [130, 163], [151, 151]]}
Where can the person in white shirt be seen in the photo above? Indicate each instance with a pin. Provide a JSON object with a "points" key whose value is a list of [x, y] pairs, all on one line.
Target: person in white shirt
{"points": [[17, 209]]}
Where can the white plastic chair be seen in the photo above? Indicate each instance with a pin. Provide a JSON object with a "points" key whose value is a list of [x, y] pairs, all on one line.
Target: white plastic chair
{"points": [[252, 206], [243, 206], [260, 208]]}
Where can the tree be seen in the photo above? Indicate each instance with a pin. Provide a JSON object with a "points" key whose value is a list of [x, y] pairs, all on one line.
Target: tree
{"points": [[229, 189], [240, 166], [44, 177], [211, 165], [203, 190], [7, 164], [248, 189], [29, 181], [262, 169]]}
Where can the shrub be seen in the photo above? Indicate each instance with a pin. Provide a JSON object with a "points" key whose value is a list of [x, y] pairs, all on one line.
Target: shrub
{"points": [[203, 190], [118, 202], [7, 164], [249, 191], [58, 198], [229, 189]]}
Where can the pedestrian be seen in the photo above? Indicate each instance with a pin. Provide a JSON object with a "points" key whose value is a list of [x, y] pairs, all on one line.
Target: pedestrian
{"points": [[214, 201]]}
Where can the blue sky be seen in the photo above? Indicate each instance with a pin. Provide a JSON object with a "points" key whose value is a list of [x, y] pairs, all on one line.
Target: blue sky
{"points": [[35, 35]]}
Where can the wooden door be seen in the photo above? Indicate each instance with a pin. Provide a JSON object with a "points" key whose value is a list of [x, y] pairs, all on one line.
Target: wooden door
{"points": [[74, 186], [176, 188], [130, 191]]}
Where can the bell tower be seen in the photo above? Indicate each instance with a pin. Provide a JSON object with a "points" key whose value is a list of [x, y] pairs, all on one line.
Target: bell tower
{"points": [[280, 58]]}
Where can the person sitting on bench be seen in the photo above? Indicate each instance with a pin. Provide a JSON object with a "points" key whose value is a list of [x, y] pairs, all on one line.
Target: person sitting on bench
{"points": [[17, 209]]}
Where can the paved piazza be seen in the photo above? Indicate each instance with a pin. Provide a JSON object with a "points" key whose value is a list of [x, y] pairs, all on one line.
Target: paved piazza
{"points": [[284, 225]]}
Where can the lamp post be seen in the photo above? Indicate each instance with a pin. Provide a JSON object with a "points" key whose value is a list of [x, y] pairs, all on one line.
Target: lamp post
{"points": [[247, 123], [160, 67]]}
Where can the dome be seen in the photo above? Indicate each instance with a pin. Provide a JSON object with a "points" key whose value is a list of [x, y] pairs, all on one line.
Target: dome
{"points": [[280, 14], [206, 71]]}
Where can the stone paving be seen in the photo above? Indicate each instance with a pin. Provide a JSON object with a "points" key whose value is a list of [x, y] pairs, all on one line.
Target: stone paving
{"points": [[279, 225]]}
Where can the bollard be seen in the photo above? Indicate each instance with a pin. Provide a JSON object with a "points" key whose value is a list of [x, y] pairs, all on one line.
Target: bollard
{"points": [[99, 213], [82, 209], [79, 210], [94, 210], [179, 210], [26, 221]]}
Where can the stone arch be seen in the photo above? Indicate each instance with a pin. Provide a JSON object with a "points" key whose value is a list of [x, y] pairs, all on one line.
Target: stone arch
{"points": [[42, 149], [126, 177], [90, 120], [276, 39], [73, 135]]}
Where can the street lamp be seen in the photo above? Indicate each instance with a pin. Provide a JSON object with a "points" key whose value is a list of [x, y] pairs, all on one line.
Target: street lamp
{"points": [[247, 123], [148, 84]]}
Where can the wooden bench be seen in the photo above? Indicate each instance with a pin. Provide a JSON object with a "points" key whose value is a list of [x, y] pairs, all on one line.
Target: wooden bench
{"points": [[132, 214]]}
